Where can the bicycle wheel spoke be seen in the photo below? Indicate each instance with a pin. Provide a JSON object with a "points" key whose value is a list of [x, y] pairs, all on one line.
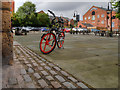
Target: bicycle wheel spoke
{"points": [[43, 42], [51, 39], [44, 47], [50, 46], [48, 43], [47, 38]]}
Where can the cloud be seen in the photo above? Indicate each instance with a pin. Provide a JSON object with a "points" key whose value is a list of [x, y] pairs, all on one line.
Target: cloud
{"points": [[65, 8]]}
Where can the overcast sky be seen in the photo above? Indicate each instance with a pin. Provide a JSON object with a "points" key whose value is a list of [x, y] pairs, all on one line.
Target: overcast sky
{"points": [[64, 7]]}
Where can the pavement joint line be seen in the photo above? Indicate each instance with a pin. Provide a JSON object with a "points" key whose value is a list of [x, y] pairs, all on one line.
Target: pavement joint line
{"points": [[47, 70]]}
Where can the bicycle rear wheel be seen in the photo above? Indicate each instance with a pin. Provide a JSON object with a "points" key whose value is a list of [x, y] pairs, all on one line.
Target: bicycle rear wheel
{"points": [[61, 38], [47, 43]]}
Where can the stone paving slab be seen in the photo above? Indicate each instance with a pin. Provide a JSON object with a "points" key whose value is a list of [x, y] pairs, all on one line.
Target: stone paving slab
{"points": [[34, 71]]}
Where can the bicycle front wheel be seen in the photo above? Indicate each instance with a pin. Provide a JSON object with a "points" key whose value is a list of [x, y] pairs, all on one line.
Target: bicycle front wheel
{"points": [[47, 43], [61, 38]]}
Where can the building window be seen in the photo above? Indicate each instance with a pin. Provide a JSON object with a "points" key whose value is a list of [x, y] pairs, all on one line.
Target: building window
{"points": [[89, 17], [80, 26], [85, 18], [113, 24], [93, 17], [102, 15], [93, 13], [113, 17], [102, 22], [98, 16]]}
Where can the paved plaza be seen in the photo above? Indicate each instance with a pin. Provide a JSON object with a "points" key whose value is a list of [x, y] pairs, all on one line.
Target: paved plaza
{"points": [[30, 70], [92, 59]]}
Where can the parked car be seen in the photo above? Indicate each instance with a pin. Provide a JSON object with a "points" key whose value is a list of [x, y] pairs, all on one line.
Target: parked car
{"points": [[14, 28], [20, 31], [67, 30], [82, 29], [36, 29], [28, 28], [74, 29], [44, 29]]}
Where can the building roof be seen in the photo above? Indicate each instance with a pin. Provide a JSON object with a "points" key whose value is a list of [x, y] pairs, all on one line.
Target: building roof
{"points": [[66, 18], [87, 24], [41, 11], [59, 17], [102, 8]]}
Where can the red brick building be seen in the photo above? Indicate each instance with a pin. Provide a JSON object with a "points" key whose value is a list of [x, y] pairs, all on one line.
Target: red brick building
{"points": [[97, 17], [66, 20], [71, 22], [41, 12]]}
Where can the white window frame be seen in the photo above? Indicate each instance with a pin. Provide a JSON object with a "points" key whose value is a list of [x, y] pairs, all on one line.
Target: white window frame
{"points": [[98, 16], [89, 17], [102, 15], [93, 17], [102, 21], [113, 24]]}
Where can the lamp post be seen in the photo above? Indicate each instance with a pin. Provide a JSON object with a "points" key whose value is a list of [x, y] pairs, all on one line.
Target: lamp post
{"points": [[109, 11], [76, 15]]}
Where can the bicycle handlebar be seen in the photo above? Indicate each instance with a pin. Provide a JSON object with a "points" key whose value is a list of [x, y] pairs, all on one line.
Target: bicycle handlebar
{"points": [[52, 13], [60, 20]]}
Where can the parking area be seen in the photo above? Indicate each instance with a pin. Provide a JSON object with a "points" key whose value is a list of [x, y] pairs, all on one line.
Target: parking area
{"points": [[90, 58]]}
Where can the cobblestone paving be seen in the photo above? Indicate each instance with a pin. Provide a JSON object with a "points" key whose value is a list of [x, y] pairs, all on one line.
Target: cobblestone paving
{"points": [[34, 71]]}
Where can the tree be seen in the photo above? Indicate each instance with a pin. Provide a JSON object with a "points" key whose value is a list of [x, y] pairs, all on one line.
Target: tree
{"points": [[43, 20], [116, 6], [33, 20], [27, 8], [25, 12], [26, 16], [15, 20]]}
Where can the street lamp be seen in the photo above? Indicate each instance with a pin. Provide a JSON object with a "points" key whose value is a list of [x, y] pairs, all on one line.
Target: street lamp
{"points": [[76, 15], [75, 12], [109, 11]]}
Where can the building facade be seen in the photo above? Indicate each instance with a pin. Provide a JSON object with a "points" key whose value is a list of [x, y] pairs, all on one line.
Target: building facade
{"points": [[100, 19], [71, 23]]}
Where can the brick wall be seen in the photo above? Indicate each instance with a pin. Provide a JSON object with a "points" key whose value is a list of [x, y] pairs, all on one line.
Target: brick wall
{"points": [[98, 21], [100, 18], [80, 24], [7, 38]]}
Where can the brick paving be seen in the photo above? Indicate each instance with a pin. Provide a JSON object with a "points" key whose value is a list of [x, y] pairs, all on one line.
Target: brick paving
{"points": [[31, 70]]}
